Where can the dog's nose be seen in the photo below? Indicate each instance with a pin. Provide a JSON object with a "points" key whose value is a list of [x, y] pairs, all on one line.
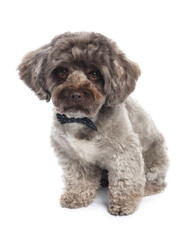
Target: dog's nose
{"points": [[76, 97]]}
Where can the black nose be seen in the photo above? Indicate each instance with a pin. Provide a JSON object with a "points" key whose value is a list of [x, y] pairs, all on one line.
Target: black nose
{"points": [[76, 97]]}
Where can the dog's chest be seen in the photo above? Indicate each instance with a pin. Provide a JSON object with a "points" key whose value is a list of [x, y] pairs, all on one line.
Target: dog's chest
{"points": [[87, 150]]}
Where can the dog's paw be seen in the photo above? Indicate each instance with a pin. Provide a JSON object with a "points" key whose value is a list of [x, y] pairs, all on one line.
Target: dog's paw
{"points": [[124, 205], [153, 188], [77, 200], [155, 182], [116, 209]]}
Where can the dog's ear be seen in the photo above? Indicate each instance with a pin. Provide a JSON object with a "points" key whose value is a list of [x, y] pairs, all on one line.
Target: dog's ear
{"points": [[124, 74], [32, 71]]}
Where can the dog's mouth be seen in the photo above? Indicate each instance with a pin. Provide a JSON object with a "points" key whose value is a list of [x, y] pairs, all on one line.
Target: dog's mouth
{"points": [[77, 102], [75, 112]]}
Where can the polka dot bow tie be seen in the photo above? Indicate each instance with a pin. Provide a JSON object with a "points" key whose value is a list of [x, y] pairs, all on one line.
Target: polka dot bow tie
{"points": [[86, 121]]}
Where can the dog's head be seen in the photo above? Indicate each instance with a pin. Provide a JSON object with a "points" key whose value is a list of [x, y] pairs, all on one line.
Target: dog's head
{"points": [[80, 72]]}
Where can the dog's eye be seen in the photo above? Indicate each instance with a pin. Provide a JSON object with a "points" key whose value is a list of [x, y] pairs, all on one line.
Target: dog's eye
{"points": [[94, 75], [62, 73]]}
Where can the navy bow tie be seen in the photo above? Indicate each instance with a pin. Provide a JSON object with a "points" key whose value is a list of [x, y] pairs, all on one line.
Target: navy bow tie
{"points": [[86, 121]]}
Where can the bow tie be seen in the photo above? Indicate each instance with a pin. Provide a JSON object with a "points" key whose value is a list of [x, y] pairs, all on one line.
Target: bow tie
{"points": [[86, 121]]}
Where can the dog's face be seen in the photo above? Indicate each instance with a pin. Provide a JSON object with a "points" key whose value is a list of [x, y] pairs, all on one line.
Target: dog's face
{"points": [[77, 89], [80, 72]]}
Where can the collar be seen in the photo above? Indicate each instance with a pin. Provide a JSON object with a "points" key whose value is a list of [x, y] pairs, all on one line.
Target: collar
{"points": [[86, 121]]}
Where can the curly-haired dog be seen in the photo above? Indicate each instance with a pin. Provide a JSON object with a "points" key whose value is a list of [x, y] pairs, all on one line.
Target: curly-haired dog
{"points": [[99, 134]]}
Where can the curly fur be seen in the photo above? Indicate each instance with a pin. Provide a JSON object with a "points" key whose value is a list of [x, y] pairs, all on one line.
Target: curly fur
{"points": [[127, 153]]}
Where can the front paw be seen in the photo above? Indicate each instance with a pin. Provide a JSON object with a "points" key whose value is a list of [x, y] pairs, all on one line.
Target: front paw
{"points": [[77, 199], [116, 209], [124, 205]]}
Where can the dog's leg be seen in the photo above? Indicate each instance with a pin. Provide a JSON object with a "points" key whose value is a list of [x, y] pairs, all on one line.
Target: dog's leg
{"points": [[156, 165], [81, 183], [126, 181]]}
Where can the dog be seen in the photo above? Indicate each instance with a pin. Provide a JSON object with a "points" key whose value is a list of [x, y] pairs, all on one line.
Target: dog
{"points": [[101, 136]]}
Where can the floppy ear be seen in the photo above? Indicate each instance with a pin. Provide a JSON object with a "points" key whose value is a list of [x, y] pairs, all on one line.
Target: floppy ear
{"points": [[32, 71], [124, 74]]}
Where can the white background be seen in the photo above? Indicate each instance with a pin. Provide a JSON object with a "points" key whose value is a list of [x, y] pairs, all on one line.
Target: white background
{"points": [[158, 35]]}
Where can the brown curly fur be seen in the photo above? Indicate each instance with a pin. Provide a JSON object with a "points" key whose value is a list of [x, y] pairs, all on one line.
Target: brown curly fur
{"points": [[127, 153]]}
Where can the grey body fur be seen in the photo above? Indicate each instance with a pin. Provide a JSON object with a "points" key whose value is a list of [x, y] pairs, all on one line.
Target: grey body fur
{"points": [[127, 143]]}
